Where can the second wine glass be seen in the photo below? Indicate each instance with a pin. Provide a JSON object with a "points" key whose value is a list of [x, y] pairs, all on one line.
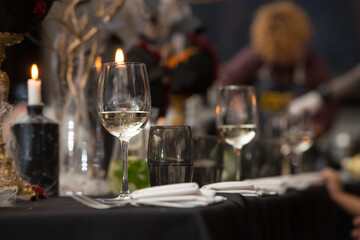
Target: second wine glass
{"points": [[124, 104], [236, 118], [297, 138]]}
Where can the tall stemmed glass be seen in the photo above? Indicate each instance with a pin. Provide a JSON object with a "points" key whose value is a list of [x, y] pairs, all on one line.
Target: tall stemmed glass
{"points": [[236, 118], [124, 105], [297, 137]]}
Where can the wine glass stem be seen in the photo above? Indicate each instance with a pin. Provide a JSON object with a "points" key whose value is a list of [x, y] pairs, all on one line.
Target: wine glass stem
{"points": [[238, 163], [296, 163], [125, 193]]}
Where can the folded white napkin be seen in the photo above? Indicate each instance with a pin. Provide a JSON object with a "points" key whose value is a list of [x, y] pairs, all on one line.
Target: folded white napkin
{"points": [[270, 185], [313, 178], [267, 186], [181, 195], [279, 184], [303, 180], [243, 188]]}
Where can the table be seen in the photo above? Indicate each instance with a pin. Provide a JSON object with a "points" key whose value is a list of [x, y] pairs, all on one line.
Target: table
{"points": [[307, 214]]}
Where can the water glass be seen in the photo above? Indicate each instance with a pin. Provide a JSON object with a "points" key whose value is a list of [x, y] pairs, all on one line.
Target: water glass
{"points": [[208, 159], [170, 155]]}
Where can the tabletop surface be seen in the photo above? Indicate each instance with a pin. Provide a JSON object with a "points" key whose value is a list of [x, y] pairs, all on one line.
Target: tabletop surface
{"points": [[307, 214]]}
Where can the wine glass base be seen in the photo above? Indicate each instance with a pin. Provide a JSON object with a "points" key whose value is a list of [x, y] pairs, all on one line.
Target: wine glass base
{"points": [[123, 197]]}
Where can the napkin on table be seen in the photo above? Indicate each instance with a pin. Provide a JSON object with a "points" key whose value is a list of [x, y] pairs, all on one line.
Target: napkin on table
{"points": [[253, 187], [243, 188], [267, 186], [303, 180], [182, 195], [270, 185], [279, 184]]}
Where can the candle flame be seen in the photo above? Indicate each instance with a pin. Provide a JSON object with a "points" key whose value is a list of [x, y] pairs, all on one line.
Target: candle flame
{"points": [[119, 56], [98, 64], [34, 72], [253, 99], [217, 110]]}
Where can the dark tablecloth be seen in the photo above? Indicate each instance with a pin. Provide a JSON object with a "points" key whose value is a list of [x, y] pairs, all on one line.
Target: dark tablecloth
{"points": [[307, 214]]}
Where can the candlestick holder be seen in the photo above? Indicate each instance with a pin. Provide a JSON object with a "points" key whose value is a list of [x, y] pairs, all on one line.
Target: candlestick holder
{"points": [[8, 176]]}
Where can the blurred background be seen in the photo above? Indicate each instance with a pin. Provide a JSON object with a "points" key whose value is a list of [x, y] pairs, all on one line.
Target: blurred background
{"points": [[184, 44], [336, 38]]}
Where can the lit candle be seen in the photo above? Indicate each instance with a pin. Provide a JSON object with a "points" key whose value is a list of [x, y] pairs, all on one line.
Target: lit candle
{"points": [[34, 87]]}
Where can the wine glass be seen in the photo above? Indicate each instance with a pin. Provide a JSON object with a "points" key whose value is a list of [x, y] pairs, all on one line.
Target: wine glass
{"points": [[124, 105], [296, 138], [236, 118]]}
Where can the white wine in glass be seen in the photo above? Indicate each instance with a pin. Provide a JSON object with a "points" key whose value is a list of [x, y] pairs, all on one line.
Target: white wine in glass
{"points": [[238, 135], [124, 104], [236, 118], [296, 142], [124, 123]]}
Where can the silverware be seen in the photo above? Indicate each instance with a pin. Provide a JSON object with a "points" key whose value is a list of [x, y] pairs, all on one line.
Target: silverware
{"points": [[93, 203], [97, 204]]}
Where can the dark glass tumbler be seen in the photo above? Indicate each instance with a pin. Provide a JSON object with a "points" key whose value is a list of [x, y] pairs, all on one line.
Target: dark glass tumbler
{"points": [[208, 159], [170, 155]]}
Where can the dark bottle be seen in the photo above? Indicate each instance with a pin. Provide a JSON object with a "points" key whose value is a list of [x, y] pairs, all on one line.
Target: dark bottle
{"points": [[38, 149]]}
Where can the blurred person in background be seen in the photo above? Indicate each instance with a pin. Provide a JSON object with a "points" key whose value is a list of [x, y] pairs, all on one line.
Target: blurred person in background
{"points": [[342, 89], [188, 59], [337, 89], [333, 91], [281, 66], [191, 65]]}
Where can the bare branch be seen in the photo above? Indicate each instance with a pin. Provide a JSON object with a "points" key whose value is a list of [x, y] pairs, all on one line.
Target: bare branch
{"points": [[91, 60], [38, 42], [113, 10]]}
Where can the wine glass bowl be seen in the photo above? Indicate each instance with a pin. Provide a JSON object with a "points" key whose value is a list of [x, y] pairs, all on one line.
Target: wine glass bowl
{"points": [[236, 118], [124, 105]]}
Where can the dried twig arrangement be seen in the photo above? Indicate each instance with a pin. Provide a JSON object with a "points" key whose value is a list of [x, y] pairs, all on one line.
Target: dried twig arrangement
{"points": [[78, 34]]}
